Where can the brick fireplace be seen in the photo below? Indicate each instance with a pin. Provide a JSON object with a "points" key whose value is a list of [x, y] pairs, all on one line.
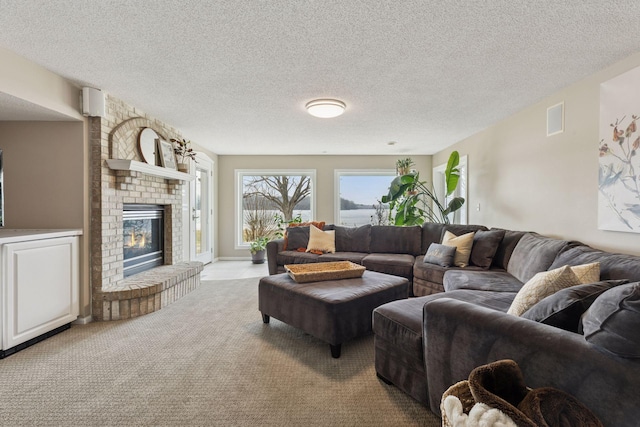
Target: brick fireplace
{"points": [[115, 297]]}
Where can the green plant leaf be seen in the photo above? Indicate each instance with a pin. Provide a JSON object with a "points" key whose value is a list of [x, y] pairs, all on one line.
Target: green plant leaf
{"points": [[452, 172], [455, 204]]}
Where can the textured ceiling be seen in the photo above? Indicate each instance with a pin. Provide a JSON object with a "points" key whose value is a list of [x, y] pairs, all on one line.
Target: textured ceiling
{"points": [[234, 76]]}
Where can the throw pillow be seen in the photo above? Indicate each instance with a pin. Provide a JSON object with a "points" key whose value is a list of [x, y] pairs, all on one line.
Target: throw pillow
{"points": [[485, 245], [564, 308], [297, 237], [319, 224], [321, 241], [540, 286], [587, 273], [611, 323], [440, 255], [463, 245]]}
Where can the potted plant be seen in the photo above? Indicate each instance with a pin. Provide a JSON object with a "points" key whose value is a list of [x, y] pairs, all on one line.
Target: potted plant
{"points": [[403, 166], [184, 152], [411, 202], [258, 249]]}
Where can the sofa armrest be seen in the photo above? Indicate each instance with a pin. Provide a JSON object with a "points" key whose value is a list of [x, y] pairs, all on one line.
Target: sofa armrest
{"points": [[459, 336], [273, 248]]}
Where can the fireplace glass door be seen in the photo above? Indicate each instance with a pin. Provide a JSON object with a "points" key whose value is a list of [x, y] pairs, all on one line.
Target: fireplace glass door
{"points": [[143, 227]]}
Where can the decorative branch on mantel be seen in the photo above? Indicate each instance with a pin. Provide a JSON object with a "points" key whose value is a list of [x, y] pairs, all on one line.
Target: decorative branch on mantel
{"points": [[133, 165]]}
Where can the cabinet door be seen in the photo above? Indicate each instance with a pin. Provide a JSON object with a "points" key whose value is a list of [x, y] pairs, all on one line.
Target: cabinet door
{"points": [[40, 290]]}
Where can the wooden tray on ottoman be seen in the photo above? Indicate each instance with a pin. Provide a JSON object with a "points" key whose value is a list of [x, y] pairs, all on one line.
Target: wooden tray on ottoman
{"points": [[303, 273]]}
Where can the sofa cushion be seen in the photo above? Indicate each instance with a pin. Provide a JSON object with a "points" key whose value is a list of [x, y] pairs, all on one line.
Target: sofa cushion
{"points": [[353, 239], [395, 264], [612, 321], [295, 257], [463, 245], [431, 233], [355, 257], [429, 272], [460, 229], [485, 245], [492, 280], [533, 253], [441, 255], [321, 241], [506, 247], [564, 308], [612, 265], [540, 286], [391, 239]]}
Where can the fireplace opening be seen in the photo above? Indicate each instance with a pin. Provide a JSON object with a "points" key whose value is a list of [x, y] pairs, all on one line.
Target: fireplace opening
{"points": [[143, 232]]}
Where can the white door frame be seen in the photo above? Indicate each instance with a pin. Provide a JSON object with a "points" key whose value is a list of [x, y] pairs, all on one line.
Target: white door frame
{"points": [[205, 163]]}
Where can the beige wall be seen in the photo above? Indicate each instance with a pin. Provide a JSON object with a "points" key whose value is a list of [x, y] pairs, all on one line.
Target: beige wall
{"points": [[524, 180], [43, 174], [324, 190]]}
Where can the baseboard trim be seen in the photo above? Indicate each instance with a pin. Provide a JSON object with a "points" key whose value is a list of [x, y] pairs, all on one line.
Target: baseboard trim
{"points": [[83, 320]]}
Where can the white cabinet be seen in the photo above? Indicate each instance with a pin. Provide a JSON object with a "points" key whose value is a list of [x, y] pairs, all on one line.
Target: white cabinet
{"points": [[39, 283]]}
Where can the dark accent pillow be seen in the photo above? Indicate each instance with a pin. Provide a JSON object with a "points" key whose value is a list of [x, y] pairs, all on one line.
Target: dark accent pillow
{"points": [[441, 255], [613, 320], [297, 237], [485, 245], [353, 239], [564, 308]]}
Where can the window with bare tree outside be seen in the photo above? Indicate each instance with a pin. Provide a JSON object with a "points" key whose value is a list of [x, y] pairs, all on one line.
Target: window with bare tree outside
{"points": [[267, 200]]}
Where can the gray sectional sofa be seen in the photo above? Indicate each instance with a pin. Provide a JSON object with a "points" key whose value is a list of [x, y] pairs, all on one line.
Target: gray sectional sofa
{"points": [[458, 318]]}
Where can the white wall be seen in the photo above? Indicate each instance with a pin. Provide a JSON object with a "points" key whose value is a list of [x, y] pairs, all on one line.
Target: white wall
{"points": [[524, 180]]}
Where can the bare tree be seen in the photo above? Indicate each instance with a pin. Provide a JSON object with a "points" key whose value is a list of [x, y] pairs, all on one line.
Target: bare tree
{"points": [[283, 191]]}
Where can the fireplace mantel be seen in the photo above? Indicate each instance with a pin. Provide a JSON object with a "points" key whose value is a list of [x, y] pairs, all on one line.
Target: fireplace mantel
{"points": [[133, 165]]}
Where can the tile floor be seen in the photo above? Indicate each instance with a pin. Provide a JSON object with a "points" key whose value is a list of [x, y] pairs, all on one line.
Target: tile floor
{"points": [[222, 270]]}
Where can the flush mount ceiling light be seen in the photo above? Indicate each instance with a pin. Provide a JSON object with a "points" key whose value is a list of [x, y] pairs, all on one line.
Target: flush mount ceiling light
{"points": [[325, 108]]}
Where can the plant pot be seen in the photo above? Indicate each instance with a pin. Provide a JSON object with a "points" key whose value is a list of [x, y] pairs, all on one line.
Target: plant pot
{"points": [[183, 167], [258, 257]]}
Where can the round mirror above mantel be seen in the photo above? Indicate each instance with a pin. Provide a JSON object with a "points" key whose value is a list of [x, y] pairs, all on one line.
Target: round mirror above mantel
{"points": [[148, 146]]}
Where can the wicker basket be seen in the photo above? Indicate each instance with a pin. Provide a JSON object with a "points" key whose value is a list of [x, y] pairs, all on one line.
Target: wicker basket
{"points": [[303, 273], [462, 391]]}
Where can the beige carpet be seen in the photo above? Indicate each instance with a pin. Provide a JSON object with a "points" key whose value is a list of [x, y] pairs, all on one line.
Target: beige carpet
{"points": [[205, 360]]}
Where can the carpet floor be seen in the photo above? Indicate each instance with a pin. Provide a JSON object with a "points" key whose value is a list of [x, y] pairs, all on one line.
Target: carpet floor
{"points": [[206, 360]]}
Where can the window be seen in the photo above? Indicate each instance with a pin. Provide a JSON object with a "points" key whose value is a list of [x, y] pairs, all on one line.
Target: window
{"points": [[263, 196], [461, 215], [358, 193]]}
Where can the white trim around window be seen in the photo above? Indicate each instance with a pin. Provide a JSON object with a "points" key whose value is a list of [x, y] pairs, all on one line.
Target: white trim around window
{"points": [[354, 172], [240, 173]]}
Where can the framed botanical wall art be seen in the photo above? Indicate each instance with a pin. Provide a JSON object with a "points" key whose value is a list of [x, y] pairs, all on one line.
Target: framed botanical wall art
{"points": [[167, 156], [619, 154]]}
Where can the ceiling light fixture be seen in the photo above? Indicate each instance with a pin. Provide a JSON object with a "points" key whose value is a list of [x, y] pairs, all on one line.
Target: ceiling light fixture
{"points": [[325, 108]]}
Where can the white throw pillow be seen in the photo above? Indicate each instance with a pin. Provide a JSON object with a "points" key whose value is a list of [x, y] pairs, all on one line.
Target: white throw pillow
{"points": [[541, 286], [321, 241], [463, 246]]}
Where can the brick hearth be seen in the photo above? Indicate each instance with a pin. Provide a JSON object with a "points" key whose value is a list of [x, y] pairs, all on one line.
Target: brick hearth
{"points": [[116, 137]]}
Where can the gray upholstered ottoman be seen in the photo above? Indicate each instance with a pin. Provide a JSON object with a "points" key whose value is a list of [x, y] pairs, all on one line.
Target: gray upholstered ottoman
{"points": [[333, 310]]}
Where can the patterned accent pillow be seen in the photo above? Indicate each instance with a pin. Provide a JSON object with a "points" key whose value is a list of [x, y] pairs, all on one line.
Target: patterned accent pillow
{"points": [[463, 246], [541, 286], [587, 273], [441, 255], [321, 241]]}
